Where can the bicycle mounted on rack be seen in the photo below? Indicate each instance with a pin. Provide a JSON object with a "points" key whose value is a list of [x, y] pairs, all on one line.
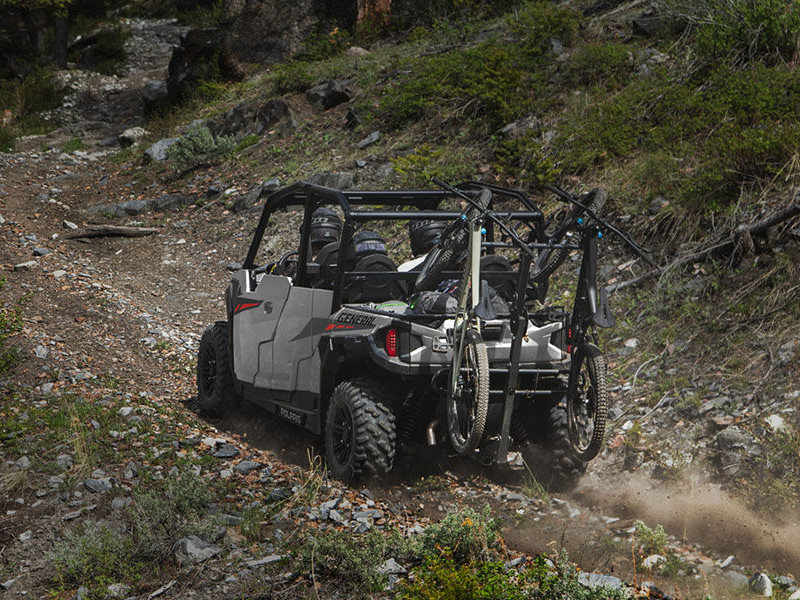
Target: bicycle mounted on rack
{"points": [[336, 338]]}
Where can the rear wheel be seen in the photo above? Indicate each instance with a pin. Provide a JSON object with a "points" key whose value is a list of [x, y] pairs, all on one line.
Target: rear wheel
{"points": [[360, 435], [216, 394], [468, 399], [587, 401]]}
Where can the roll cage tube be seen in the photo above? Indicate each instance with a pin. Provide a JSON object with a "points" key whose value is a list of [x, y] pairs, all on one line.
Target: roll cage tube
{"points": [[311, 196]]}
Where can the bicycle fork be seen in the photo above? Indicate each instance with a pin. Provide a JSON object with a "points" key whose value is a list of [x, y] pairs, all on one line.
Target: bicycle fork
{"points": [[469, 290]]}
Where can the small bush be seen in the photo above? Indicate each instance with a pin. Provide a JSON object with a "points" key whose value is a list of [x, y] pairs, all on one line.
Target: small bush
{"points": [[94, 556], [605, 64], [174, 507], [741, 30], [465, 535], [320, 46], [26, 100], [442, 578], [295, 76], [199, 147], [563, 583], [652, 540], [353, 560], [525, 159], [487, 81], [539, 21]]}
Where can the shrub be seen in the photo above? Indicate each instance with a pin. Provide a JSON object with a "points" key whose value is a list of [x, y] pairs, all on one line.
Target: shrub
{"points": [[563, 583], [465, 535], [539, 21], [731, 127], [110, 47], [525, 158], [605, 64], [295, 76], [199, 147], [442, 578], [320, 46], [486, 81], [351, 559], [652, 540], [743, 30], [26, 100], [94, 556], [173, 507]]}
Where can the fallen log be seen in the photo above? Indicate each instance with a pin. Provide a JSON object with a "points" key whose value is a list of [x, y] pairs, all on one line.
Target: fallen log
{"points": [[779, 216], [94, 231]]}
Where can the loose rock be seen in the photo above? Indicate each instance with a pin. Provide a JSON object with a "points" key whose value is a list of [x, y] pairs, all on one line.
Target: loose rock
{"points": [[192, 550]]}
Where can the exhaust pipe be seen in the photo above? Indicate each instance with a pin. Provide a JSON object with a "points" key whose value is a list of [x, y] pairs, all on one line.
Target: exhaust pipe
{"points": [[430, 432]]}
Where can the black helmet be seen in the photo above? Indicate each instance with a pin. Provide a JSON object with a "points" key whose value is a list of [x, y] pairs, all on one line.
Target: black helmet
{"points": [[326, 226], [424, 235], [368, 242]]}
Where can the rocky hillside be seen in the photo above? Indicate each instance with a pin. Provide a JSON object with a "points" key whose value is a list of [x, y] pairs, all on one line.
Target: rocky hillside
{"points": [[112, 486]]}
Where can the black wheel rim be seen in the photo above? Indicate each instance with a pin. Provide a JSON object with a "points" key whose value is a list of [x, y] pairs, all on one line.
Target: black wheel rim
{"points": [[208, 372], [342, 435], [583, 408]]}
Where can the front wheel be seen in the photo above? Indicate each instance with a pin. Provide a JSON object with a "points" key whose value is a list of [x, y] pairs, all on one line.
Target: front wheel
{"points": [[360, 435], [587, 401], [215, 387], [468, 395]]}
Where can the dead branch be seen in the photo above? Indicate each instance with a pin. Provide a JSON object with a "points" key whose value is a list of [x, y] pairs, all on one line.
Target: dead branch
{"points": [[94, 231], [725, 246]]}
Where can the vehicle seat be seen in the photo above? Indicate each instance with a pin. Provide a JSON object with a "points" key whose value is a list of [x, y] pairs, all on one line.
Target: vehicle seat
{"points": [[366, 290], [328, 261]]}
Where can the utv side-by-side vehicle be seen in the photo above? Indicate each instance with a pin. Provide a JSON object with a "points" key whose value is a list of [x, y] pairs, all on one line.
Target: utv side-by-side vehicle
{"points": [[345, 336]]}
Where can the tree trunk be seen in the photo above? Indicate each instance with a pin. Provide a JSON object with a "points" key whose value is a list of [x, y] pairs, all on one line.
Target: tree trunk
{"points": [[62, 40], [374, 12]]}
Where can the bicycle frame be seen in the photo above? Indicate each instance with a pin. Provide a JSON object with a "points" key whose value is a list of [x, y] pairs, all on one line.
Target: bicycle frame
{"points": [[470, 290], [590, 307]]}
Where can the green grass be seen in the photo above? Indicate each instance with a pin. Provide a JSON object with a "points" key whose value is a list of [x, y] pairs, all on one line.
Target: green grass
{"points": [[74, 144], [26, 100]]}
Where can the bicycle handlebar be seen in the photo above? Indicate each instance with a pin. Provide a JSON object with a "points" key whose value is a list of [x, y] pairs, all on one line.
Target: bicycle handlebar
{"points": [[581, 207]]}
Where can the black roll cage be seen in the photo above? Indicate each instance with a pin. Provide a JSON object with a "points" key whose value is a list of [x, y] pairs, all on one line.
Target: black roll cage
{"points": [[357, 206]]}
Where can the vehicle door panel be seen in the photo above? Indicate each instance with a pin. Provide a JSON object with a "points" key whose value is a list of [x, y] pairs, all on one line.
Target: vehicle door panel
{"points": [[255, 318]]}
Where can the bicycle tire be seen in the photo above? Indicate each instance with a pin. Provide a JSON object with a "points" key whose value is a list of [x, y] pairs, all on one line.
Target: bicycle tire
{"points": [[587, 401], [472, 403], [454, 242], [554, 258]]}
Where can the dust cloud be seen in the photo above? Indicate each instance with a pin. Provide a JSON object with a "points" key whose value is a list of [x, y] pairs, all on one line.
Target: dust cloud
{"points": [[700, 512]]}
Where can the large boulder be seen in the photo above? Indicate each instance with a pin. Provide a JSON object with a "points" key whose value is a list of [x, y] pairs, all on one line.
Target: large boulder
{"points": [[203, 55], [247, 119], [266, 31]]}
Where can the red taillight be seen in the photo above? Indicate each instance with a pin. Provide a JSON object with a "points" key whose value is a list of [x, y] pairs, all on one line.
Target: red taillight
{"points": [[391, 342]]}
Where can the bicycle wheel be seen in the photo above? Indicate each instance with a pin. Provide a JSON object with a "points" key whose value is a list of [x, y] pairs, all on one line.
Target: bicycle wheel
{"points": [[550, 259], [453, 245], [587, 401], [468, 402]]}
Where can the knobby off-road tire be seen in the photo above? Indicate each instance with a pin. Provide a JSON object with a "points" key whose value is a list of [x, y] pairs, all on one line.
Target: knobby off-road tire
{"points": [[564, 467], [587, 401], [216, 394], [360, 436], [466, 412], [552, 259]]}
